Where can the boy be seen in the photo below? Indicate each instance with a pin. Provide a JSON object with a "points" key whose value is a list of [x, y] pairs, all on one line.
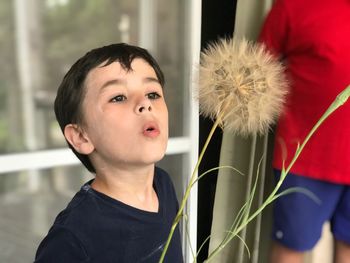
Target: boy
{"points": [[111, 109]]}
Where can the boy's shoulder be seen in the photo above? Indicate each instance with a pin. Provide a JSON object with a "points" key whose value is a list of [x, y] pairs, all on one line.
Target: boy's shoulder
{"points": [[163, 179], [161, 175], [78, 207]]}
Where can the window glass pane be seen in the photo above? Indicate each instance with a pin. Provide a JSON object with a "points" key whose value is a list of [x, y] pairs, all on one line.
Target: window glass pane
{"points": [[170, 52], [10, 135]]}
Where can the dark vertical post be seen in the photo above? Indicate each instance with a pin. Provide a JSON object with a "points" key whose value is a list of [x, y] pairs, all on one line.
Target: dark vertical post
{"points": [[218, 19]]}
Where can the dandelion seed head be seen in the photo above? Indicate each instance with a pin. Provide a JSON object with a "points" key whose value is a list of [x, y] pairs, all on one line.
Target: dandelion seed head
{"points": [[244, 82]]}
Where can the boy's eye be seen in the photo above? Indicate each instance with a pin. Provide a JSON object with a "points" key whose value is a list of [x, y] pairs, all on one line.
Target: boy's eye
{"points": [[153, 96], [118, 98]]}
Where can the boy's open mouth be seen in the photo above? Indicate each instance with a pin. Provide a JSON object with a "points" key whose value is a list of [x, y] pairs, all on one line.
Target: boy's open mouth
{"points": [[151, 130]]}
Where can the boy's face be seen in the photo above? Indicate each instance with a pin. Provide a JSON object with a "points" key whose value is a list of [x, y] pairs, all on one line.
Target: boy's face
{"points": [[125, 116]]}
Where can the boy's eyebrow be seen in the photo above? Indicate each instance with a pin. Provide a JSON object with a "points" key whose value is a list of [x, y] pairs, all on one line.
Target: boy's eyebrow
{"points": [[112, 82], [123, 82], [151, 79]]}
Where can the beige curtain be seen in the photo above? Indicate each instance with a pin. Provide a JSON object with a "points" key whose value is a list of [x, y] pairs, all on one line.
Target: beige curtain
{"points": [[243, 154]]}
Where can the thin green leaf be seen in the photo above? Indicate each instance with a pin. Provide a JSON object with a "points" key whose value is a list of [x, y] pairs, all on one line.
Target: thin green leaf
{"points": [[214, 169], [302, 190]]}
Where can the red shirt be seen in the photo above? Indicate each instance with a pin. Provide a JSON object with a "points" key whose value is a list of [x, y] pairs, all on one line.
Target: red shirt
{"points": [[313, 36]]}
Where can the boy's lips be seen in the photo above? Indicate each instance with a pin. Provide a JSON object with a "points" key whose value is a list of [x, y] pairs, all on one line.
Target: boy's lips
{"points": [[151, 130]]}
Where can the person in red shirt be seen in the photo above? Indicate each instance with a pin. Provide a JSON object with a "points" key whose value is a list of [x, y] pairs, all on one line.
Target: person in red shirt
{"points": [[313, 39]]}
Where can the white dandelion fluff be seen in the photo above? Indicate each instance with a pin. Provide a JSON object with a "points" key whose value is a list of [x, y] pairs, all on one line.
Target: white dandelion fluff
{"points": [[241, 83]]}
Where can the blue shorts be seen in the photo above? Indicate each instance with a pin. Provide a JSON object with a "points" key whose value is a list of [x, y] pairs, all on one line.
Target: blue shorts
{"points": [[298, 219]]}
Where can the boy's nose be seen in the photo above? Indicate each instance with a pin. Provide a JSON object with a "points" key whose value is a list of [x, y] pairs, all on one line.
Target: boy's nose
{"points": [[143, 108]]}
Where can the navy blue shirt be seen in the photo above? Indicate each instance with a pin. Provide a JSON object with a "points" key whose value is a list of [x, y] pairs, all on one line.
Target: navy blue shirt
{"points": [[98, 228]]}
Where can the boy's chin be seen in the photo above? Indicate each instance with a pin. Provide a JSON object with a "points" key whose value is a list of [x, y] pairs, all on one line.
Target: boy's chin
{"points": [[158, 158], [155, 158]]}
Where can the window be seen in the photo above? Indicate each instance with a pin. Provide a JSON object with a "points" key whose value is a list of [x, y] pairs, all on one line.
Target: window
{"points": [[40, 40]]}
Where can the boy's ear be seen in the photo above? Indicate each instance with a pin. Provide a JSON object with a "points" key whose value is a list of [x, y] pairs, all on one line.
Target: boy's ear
{"points": [[78, 139]]}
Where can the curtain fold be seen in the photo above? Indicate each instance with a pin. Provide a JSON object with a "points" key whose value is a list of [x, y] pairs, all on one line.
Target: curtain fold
{"points": [[244, 154]]}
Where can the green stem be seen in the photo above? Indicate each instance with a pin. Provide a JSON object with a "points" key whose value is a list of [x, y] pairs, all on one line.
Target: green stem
{"points": [[189, 187]]}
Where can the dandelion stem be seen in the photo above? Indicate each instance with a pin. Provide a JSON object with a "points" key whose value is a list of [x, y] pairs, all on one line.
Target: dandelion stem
{"points": [[189, 186]]}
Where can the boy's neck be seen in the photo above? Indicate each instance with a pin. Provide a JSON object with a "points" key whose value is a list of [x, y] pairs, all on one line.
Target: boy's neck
{"points": [[132, 187]]}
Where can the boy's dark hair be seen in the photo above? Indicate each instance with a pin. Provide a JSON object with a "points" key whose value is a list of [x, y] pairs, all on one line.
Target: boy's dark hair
{"points": [[72, 90]]}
